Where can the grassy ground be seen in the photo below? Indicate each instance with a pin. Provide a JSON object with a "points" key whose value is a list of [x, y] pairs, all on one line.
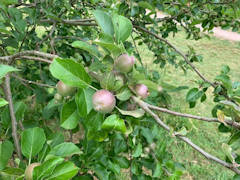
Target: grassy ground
{"points": [[215, 54]]}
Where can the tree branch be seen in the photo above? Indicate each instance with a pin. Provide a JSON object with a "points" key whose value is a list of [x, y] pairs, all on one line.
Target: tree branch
{"points": [[25, 53], [35, 59], [164, 110], [178, 51], [32, 82], [77, 22], [8, 94], [145, 107]]}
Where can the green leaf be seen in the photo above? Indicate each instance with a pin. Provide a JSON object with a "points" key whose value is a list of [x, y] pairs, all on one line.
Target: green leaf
{"points": [[64, 171], [10, 171], [50, 109], [135, 113], [4, 69], [113, 122], [32, 141], [84, 101], [3, 102], [122, 27], [65, 149], [158, 171], [124, 95], [228, 151], [70, 72], [6, 150], [104, 21], [147, 133], [87, 47], [193, 94], [146, 5], [121, 161], [226, 81], [46, 168], [101, 172], [19, 109], [137, 151], [114, 49], [114, 167], [8, 2], [69, 116]]}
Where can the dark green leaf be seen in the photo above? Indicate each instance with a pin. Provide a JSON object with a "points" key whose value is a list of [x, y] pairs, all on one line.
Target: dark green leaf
{"points": [[84, 101], [69, 116], [6, 150]]}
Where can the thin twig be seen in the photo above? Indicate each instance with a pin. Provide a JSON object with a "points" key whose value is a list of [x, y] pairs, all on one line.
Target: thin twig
{"points": [[32, 82], [8, 94], [145, 107], [164, 110], [84, 22]]}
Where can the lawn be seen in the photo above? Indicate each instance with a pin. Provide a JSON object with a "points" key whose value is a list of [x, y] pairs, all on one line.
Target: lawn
{"points": [[216, 53]]}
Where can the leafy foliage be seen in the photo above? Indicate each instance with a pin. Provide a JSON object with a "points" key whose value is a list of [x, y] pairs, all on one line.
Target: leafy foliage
{"points": [[81, 40]]}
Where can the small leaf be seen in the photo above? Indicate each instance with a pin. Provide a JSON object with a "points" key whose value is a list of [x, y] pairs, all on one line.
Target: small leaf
{"points": [[104, 21], [158, 171], [113, 122], [121, 161], [6, 150], [3, 102], [101, 172], [193, 94], [146, 5], [70, 72], [65, 149], [138, 151], [228, 151], [4, 69], [135, 113], [87, 47], [84, 101], [69, 116], [66, 170], [32, 141], [114, 49], [124, 95]]}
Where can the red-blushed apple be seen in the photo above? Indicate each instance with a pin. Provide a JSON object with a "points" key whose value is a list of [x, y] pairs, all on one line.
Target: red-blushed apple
{"points": [[142, 90], [103, 101]]}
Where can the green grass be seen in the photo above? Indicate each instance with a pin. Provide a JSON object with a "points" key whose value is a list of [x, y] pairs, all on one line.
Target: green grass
{"points": [[216, 53]]}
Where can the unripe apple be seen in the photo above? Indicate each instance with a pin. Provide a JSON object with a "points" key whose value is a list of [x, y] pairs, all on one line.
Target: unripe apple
{"points": [[29, 171], [142, 90], [57, 97], [124, 63], [103, 101], [65, 90]]}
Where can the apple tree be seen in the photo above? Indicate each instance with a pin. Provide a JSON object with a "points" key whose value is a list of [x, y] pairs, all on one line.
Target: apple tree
{"points": [[77, 100]]}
